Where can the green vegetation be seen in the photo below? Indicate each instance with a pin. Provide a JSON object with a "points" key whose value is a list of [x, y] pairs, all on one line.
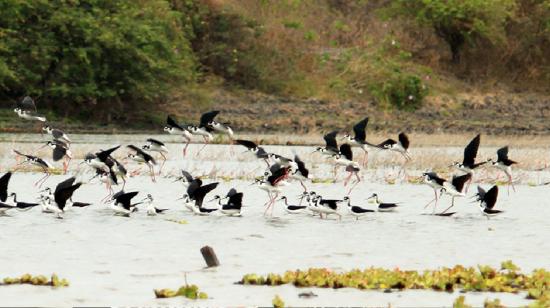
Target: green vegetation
{"points": [[480, 279], [189, 291], [133, 61], [459, 21], [278, 302], [39, 280]]}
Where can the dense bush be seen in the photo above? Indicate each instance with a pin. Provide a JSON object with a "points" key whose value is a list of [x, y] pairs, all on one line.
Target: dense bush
{"points": [[401, 90]]}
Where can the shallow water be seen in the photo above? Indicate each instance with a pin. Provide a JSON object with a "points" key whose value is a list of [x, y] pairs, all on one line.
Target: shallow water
{"points": [[111, 260]]}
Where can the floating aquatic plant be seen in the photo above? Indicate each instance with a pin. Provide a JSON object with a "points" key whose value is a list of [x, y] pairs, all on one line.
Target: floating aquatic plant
{"points": [[189, 291], [278, 302], [181, 222], [480, 279], [39, 280]]}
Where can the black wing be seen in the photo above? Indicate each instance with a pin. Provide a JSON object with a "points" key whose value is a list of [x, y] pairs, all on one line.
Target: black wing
{"points": [[81, 204], [470, 152], [61, 196], [155, 141], [126, 198], [502, 154], [278, 176], [21, 154], [187, 176], [58, 153], [172, 123], [57, 133], [142, 153], [27, 104], [202, 191], [404, 139], [65, 184], [459, 181], [360, 129], [247, 143], [117, 194], [481, 193], [301, 166], [102, 155], [275, 168], [345, 149], [261, 153], [196, 183], [236, 199], [330, 140], [231, 192], [208, 117], [491, 197], [4, 181]]}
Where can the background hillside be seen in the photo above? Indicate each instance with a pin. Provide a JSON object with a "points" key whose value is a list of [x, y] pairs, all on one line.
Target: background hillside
{"points": [[281, 65]]}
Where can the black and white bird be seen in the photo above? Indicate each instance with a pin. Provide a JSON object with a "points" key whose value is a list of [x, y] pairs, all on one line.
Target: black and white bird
{"points": [[21, 205], [56, 134], [141, 156], [360, 138], [191, 186], [203, 129], [60, 150], [234, 203], [156, 146], [61, 195], [198, 195], [272, 185], [331, 145], [382, 206], [26, 109], [487, 201], [36, 161], [326, 206], [299, 172], [101, 159], [173, 128], [109, 178], [280, 160], [504, 163], [151, 209], [455, 188], [293, 209], [222, 128], [469, 164], [355, 210], [122, 204], [258, 151], [345, 158], [401, 146], [436, 183]]}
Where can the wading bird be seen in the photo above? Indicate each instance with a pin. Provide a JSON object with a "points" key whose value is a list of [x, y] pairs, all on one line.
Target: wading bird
{"points": [[355, 210], [359, 138], [173, 128], [468, 164], [156, 146], [505, 164], [487, 201], [36, 161]]}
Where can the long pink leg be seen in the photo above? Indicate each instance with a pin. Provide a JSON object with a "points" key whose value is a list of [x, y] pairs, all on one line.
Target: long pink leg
{"points": [[347, 179], [186, 146], [355, 184], [510, 182], [273, 204], [152, 172], [365, 158], [452, 204], [42, 180], [204, 146], [163, 162]]}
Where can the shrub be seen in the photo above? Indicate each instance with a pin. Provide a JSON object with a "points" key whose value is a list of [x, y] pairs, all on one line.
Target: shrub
{"points": [[402, 90]]}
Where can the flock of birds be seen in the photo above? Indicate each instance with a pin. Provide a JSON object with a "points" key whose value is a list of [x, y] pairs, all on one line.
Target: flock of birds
{"points": [[281, 171]]}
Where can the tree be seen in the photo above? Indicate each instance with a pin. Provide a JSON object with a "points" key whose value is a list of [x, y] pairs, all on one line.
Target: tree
{"points": [[458, 21], [111, 57]]}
